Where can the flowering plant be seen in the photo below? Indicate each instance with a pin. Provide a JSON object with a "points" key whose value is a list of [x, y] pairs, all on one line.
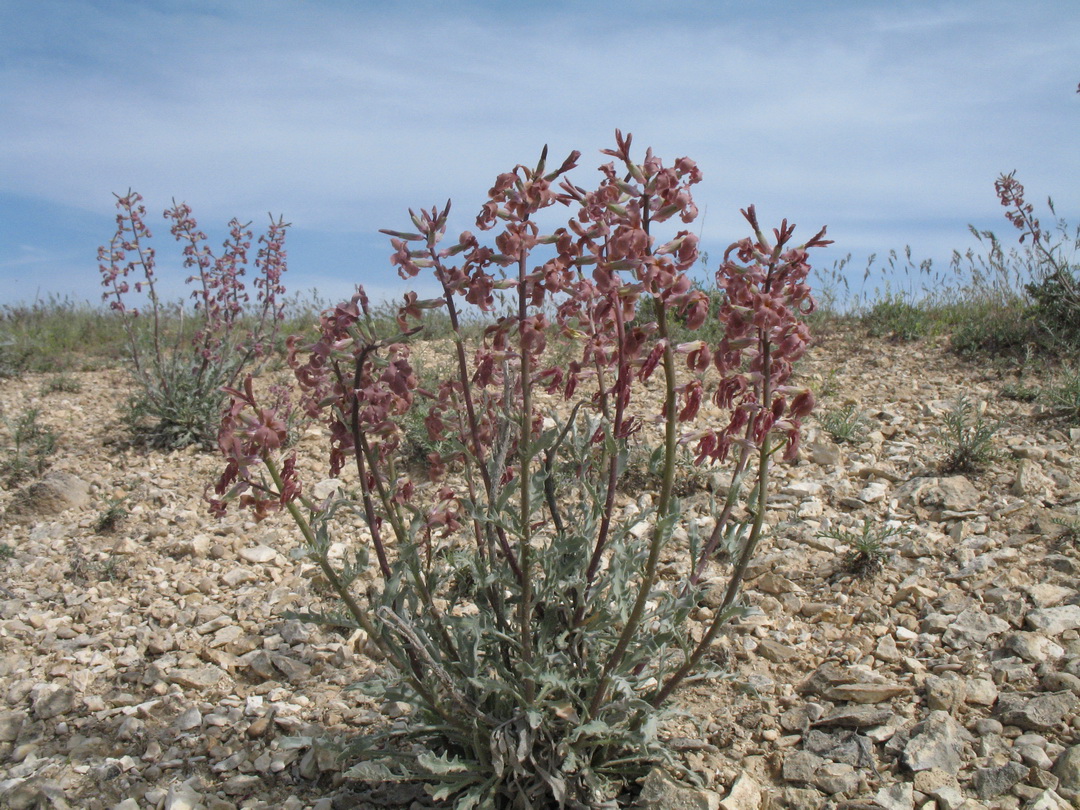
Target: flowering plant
{"points": [[181, 376], [516, 598], [1056, 288]]}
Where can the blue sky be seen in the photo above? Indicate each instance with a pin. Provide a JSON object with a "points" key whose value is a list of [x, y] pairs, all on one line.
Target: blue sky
{"points": [[888, 122]]}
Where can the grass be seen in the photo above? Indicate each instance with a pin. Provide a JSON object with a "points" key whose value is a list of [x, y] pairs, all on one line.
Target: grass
{"points": [[866, 548], [845, 425], [967, 438], [1065, 397], [29, 449]]}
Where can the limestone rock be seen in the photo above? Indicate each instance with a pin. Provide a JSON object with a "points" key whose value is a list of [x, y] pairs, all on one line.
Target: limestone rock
{"points": [[947, 694], [52, 700], [972, 626], [660, 791], [1055, 620], [1042, 712], [936, 742], [900, 796], [745, 794], [990, 783], [55, 493], [1067, 768]]}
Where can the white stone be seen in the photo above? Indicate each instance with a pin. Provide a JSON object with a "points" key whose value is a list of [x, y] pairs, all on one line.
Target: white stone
{"points": [[258, 554]]}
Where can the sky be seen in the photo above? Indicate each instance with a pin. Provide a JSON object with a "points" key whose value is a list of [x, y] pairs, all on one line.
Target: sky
{"points": [[887, 122]]}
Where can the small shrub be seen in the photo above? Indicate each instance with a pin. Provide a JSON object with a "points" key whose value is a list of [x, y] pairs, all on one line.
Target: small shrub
{"points": [[180, 377], [28, 455], [645, 473], [1055, 290], [61, 384], [7, 551], [111, 516], [996, 331], [1065, 396], [520, 610], [846, 424], [1020, 393], [866, 548], [1070, 530], [897, 318], [830, 384], [967, 438]]}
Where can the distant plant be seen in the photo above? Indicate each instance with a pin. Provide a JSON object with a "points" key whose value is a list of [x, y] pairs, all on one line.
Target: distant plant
{"points": [[111, 516], [61, 383], [1065, 397], [1056, 289], [644, 473], [846, 424], [83, 569], [830, 384], [1071, 529], [1020, 393], [520, 609], [7, 551], [866, 548], [895, 317], [967, 438], [180, 377], [31, 445]]}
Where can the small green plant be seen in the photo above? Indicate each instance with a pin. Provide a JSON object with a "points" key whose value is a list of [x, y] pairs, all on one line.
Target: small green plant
{"points": [[866, 548], [7, 551], [846, 424], [111, 569], [1019, 393], [897, 318], [967, 438], [82, 568], [1071, 530], [830, 384], [111, 516], [645, 473], [1065, 396], [31, 446], [62, 383]]}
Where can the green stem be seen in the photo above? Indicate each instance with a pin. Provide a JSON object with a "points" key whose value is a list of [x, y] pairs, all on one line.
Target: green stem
{"points": [[525, 453], [648, 577]]}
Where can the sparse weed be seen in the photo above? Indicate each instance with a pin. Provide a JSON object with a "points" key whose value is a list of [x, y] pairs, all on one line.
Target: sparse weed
{"points": [[866, 548], [846, 424], [7, 551], [28, 454], [1065, 396], [967, 438], [62, 383], [111, 516], [645, 473], [830, 384], [1019, 393], [83, 569], [898, 318], [1071, 526]]}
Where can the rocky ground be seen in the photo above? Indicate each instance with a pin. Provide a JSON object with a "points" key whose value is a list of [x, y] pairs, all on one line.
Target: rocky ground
{"points": [[150, 666]]}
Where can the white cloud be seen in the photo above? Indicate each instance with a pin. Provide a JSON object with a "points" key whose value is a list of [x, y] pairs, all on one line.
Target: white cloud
{"points": [[340, 115]]}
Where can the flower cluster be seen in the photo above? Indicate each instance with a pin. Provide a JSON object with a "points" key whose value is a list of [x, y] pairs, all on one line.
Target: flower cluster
{"points": [[252, 435], [1021, 214], [114, 265], [766, 297]]}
